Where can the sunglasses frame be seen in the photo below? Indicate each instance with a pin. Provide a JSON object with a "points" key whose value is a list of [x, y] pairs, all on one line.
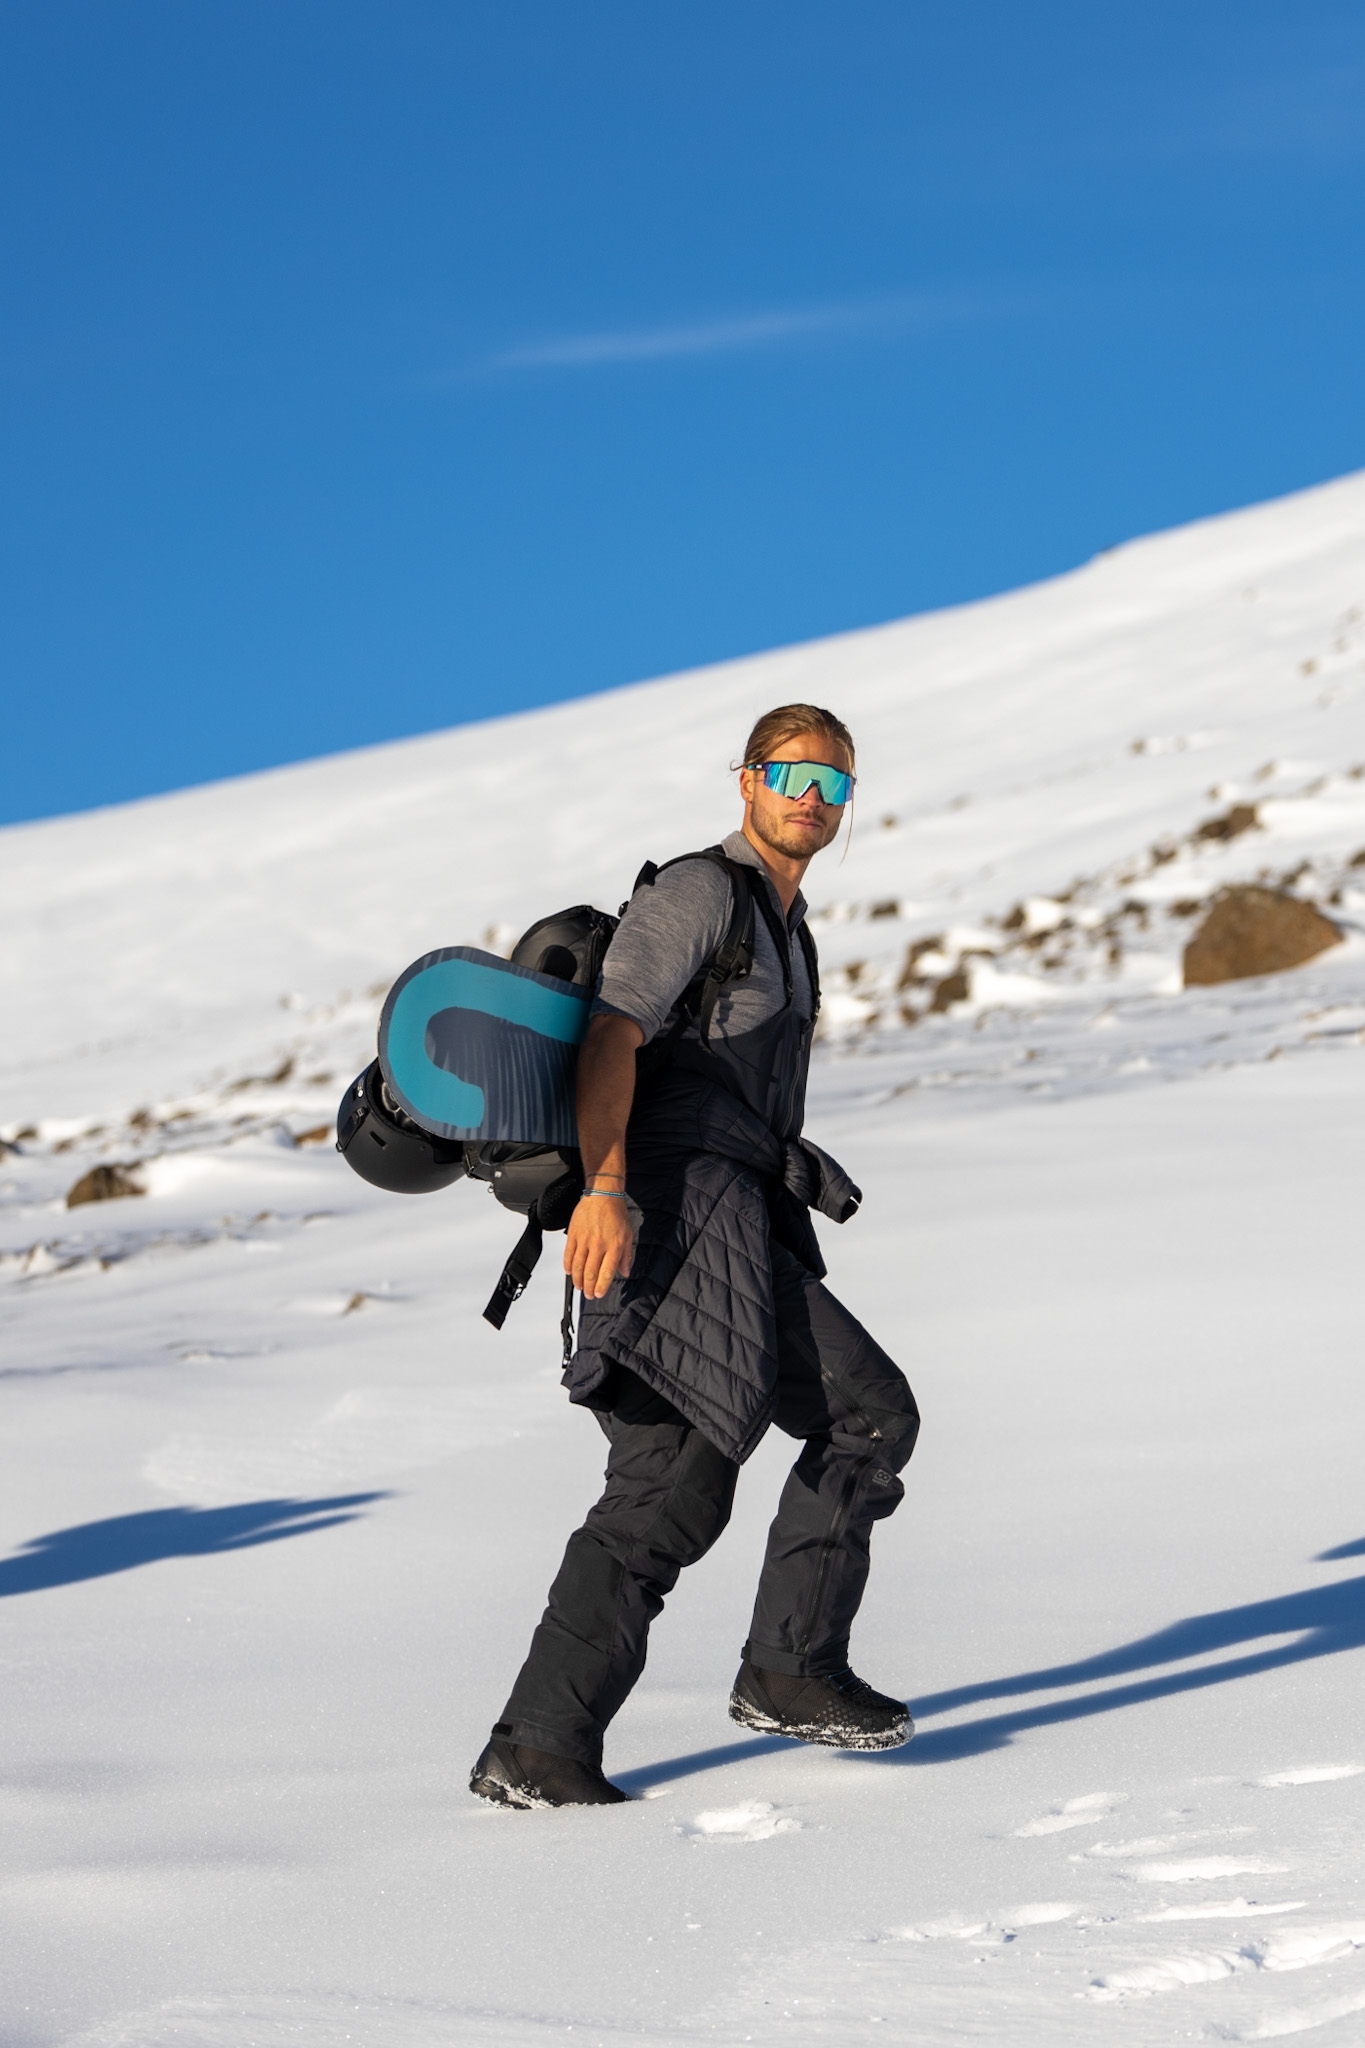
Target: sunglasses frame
{"points": [[762, 768]]}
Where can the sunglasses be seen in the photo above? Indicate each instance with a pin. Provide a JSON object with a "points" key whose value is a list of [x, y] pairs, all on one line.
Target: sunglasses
{"points": [[793, 778]]}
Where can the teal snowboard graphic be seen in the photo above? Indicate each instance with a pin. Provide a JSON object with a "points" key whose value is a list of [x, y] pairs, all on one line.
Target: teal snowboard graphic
{"points": [[473, 1047]]}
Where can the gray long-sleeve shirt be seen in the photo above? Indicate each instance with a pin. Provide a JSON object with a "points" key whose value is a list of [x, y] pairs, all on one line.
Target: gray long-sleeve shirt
{"points": [[671, 930]]}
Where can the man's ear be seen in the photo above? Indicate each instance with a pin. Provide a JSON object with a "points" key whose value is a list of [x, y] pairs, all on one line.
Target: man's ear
{"points": [[747, 781]]}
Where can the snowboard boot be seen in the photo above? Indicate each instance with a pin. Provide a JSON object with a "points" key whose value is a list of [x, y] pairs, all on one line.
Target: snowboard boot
{"points": [[511, 1775], [835, 1708]]}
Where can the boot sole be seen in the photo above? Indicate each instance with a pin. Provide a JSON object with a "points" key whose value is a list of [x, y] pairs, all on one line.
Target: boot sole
{"points": [[749, 1716], [499, 1793], [511, 1796]]}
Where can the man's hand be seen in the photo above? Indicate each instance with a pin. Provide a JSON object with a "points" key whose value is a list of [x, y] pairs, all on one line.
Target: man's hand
{"points": [[601, 1237], [601, 1244]]}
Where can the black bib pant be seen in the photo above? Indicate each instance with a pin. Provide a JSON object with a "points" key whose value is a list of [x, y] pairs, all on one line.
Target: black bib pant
{"points": [[668, 1496]]}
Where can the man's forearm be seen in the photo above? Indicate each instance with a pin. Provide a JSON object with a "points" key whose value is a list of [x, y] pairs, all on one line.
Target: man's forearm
{"points": [[601, 1240], [606, 1090]]}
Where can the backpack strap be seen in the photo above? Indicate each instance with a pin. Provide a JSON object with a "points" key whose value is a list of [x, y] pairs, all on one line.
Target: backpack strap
{"points": [[521, 1264], [732, 960], [644, 880], [566, 1322], [812, 969], [550, 1210], [778, 932], [738, 944]]}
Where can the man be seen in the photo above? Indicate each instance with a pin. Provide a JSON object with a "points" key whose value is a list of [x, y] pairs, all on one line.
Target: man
{"points": [[704, 1318]]}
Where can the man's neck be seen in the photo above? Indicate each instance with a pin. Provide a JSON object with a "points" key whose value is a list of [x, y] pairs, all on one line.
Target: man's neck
{"points": [[783, 871]]}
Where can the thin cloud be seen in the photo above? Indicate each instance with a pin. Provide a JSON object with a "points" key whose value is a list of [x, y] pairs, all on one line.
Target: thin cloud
{"points": [[742, 332]]}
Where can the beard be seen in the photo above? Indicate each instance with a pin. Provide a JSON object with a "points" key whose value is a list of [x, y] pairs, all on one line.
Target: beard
{"points": [[793, 841]]}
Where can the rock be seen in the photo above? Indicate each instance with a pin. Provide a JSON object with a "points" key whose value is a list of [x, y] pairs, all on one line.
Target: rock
{"points": [[316, 1135], [104, 1184], [1036, 915], [910, 972], [954, 988], [1241, 818], [1251, 931]]}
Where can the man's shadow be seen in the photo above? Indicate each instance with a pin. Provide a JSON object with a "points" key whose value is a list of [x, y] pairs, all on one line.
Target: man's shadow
{"points": [[93, 1550], [1323, 1620]]}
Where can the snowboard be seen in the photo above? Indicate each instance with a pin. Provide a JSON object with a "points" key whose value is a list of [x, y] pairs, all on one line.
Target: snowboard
{"points": [[473, 1047]]}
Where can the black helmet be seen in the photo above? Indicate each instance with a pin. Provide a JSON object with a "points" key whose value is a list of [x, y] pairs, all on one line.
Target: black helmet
{"points": [[570, 944], [535, 1180], [385, 1146]]}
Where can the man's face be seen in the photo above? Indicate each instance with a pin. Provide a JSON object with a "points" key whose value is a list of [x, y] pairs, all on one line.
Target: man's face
{"points": [[801, 827]]}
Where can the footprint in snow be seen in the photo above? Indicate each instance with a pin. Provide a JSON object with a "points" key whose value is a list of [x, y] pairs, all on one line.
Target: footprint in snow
{"points": [[755, 1820], [1289, 1948], [1310, 1774], [1145, 1845], [1167, 1973], [1084, 1812], [999, 1927], [1300, 2019], [1192, 1869], [1221, 1909]]}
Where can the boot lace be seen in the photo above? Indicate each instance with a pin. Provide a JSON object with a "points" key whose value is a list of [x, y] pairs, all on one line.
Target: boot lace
{"points": [[851, 1686]]}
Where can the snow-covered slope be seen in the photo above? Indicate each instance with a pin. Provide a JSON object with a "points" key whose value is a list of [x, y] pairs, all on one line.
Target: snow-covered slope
{"points": [[1006, 750], [255, 1624]]}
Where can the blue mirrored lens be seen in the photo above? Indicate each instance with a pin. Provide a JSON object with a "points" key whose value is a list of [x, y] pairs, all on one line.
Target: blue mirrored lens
{"points": [[793, 778]]}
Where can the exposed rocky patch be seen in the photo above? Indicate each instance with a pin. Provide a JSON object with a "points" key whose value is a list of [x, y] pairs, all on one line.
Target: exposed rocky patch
{"points": [[954, 988], [1252, 930], [1232, 824], [1124, 932], [110, 1183]]}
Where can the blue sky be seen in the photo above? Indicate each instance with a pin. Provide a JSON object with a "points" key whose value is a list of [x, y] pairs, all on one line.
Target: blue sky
{"points": [[366, 368]]}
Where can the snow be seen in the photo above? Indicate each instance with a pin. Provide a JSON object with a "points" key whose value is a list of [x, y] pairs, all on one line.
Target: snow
{"points": [[279, 1509]]}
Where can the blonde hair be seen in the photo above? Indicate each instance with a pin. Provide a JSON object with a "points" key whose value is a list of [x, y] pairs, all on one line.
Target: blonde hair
{"points": [[789, 722]]}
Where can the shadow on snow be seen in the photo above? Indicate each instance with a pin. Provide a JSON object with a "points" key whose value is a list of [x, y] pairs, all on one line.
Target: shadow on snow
{"points": [[1322, 1620], [95, 1549], [700, 1760]]}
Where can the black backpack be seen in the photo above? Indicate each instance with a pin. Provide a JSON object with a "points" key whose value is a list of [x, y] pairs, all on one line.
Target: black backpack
{"points": [[540, 1182]]}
